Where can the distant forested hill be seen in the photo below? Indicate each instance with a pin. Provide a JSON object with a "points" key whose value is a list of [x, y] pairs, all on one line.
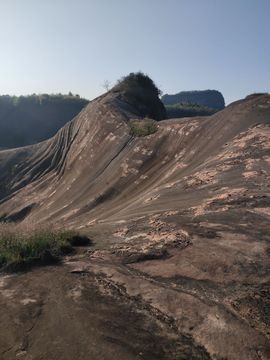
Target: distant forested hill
{"points": [[188, 110], [212, 99], [30, 119]]}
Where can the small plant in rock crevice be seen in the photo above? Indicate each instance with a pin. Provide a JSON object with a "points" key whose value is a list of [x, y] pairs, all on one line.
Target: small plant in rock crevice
{"points": [[22, 246], [144, 127]]}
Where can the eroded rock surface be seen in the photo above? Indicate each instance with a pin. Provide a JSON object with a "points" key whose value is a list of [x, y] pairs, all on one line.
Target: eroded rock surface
{"points": [[181, 225]]}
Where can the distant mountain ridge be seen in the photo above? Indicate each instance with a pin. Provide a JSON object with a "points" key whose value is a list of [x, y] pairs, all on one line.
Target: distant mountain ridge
{"points": [[212, 99]]}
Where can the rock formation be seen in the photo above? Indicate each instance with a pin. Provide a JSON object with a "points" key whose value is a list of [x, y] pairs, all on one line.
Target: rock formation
{"points": [[180, 219], [212, 99]]}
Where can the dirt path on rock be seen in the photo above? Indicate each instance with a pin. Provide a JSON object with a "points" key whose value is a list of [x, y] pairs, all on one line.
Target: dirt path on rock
{"points": [[95, 306], [56, 313]]}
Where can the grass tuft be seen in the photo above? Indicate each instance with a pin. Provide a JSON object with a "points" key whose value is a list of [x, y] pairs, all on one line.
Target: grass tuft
{"points": [[142, 127], [22, 246]]}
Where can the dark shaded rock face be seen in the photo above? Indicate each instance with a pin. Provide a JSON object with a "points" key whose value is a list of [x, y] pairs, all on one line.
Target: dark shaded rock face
{"points": [[210, 98]]}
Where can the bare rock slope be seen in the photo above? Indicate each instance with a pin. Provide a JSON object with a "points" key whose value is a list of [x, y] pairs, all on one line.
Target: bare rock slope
{"points": [[180, 219]]}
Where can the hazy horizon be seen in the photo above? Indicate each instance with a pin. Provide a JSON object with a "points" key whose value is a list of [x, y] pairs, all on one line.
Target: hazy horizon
{"points": [[61, 46]]}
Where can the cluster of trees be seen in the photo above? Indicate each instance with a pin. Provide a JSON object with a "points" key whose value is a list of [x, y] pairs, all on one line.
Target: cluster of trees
{"points": [[188, 110], [139, 90], [7, 100], [29, 119]]}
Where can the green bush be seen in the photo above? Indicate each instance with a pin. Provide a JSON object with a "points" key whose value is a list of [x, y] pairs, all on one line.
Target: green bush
{"points": [[143, 127], [139, 90], [139, 79]]}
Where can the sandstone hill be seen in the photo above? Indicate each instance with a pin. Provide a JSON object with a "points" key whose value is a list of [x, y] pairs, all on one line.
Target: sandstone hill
{"points": [[180, 221], [27, 120], [212, 99]]}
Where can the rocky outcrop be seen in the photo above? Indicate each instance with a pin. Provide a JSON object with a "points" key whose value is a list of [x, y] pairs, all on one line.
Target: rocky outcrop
{"points": [[180, 219], [212, 99]]}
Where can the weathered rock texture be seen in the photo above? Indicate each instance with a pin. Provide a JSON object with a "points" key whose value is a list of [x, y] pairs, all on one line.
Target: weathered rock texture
{"points": [[180, 219]]}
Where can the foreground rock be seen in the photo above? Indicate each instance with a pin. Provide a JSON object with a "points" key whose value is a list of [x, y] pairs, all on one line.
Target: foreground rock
{"points": [[73, 319]]}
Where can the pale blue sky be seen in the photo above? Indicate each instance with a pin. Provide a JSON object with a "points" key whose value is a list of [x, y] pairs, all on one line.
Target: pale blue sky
{"points": [[74, 45]]}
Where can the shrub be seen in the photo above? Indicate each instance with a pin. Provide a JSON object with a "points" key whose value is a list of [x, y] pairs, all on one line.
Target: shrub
{"points": [[22, 246], [143, 127], [139, 79], [141, 92]]}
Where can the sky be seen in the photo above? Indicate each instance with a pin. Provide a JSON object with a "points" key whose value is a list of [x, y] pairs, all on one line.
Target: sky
{"points": [[57, 46]]}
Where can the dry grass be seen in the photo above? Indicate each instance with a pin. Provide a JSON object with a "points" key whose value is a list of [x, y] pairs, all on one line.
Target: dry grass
{"points": [[24, 244], [143, 127]]}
